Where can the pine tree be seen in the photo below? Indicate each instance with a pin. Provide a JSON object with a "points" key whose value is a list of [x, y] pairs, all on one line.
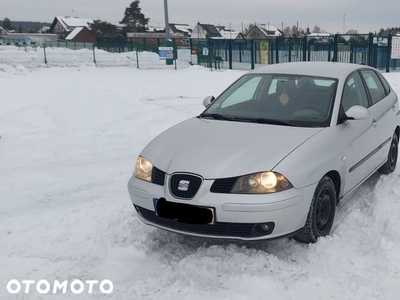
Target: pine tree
{"points": [[7, 24], [103, 28], [134, 19]]}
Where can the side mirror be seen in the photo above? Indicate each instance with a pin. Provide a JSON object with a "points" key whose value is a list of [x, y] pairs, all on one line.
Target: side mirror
{"points": [[208, 100], [357, 112]]}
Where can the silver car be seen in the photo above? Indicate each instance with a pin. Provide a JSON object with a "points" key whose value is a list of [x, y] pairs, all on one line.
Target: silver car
{"points": [[272, 156]]}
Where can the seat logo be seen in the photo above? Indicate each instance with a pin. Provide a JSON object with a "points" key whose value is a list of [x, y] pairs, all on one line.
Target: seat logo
{"points": [[183, 185]]}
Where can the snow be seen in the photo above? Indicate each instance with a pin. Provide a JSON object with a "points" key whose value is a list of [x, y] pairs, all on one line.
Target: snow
{"points": [[74, 33], [74, 22], [69, 139]]}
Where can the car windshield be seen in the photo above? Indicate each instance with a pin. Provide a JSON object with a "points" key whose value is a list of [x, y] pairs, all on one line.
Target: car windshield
{"points": [[282, 99]]}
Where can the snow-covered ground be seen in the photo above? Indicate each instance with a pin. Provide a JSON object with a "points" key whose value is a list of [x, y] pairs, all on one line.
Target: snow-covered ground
{"points": [[69, 139]]}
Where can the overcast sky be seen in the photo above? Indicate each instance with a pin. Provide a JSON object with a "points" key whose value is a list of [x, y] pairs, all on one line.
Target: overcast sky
{"points": [[363, 15]]}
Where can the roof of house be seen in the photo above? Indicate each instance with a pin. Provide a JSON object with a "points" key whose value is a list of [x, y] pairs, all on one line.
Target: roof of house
{"points": [[210, 30], [229, 35], [74, 33], [71, 22], [180, 28], [270, 30]]}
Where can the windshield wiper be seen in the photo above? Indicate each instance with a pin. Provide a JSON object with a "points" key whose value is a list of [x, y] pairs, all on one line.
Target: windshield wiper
{"points": [[217, 117], [263, 121]]}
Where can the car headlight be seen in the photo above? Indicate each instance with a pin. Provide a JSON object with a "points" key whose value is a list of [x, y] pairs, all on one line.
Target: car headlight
{"points": [[261, 183], [143, 169]]}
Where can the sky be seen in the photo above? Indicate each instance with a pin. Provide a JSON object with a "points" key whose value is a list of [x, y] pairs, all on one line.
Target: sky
{"points": [[332, 16]]}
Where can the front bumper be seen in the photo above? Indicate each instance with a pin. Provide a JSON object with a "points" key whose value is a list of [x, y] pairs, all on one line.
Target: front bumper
{"points": [[236, 216]]}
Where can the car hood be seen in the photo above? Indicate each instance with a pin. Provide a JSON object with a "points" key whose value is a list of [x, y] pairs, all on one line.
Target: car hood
{"points": [[218, 149]]}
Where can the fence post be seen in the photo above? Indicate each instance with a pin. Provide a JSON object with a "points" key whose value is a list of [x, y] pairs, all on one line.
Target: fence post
{"points": [[137, 58], [389, 53], [304, 39], [252, 54], [240, 52], [45, 57], [94, 54], [335, 48], [230, 54], [370, 49], [277, 50]]}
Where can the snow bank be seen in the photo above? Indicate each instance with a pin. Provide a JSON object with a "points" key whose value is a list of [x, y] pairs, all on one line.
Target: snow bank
{"points": [[33, 58]]}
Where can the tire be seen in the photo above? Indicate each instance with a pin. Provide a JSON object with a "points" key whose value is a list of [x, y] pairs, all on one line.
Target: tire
{"points": [[390, 164], [322, 212]]}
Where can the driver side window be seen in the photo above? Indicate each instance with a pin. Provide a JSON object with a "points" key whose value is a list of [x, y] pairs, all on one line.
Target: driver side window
{"points": [[354, 93]]}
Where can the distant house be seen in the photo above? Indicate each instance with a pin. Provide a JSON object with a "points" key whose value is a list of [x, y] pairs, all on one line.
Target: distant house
{"points": [[261, 32], [183, 30], [82, 35], [205, 31], [3, 32], [63, 26]]}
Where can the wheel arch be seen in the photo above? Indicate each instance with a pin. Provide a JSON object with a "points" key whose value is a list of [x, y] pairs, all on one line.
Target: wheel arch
{"points": [[397, 132], [335, 177]]}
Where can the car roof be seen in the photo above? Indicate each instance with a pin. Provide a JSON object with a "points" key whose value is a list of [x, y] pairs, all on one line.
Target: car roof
{"points": [[311, 68]]}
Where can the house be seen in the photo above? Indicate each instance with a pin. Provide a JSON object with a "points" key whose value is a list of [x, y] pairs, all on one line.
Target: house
{"points": [[3, 32], [205, 31], [184, 30], [63, 26], [262, 32], [81, 35]]}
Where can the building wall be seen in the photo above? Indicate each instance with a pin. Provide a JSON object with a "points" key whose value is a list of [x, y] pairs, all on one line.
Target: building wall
{"points": [[85, 36]]}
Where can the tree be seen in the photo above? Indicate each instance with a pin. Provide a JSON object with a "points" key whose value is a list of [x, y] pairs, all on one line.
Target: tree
{"points": [[103, 28], [249, 27], [287, 31], [317, 29], [7, 24], [20, 29], [134, 19]]}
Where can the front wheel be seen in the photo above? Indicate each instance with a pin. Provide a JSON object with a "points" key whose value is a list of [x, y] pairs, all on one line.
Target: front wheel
{"points": [[322, 212], [390, 164]]}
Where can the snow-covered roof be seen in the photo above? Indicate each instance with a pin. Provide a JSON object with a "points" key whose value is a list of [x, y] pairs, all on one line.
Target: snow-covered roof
{"points": [[184, 28], [74, 33], [270, 30], [73, 22], [319, 34], [229, 35]]}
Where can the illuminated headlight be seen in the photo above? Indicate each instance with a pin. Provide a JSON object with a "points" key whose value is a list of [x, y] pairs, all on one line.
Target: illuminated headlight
{"points": [[143, 169], [261, 183]]}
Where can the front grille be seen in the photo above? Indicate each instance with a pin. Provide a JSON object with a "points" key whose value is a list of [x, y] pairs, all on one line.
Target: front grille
{"points": [[223, 186], [244, 230], [185, 186], [157, 176]]}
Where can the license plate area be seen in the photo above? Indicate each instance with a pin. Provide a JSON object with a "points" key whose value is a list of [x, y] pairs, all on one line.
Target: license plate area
{"points": [[184, 213]]}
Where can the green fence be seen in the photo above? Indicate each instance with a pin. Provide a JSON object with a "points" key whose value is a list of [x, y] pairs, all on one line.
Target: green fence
{"points": [[366, 49]]}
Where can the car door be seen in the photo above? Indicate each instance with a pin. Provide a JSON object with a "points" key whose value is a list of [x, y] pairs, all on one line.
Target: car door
{"points": [[358, 136], [383, 111]]}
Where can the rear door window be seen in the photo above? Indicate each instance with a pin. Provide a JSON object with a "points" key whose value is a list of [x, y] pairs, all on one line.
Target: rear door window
{"points": [[374, 85]]}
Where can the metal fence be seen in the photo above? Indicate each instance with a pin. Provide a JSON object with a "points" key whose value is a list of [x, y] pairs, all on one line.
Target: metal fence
{"points": [[365, 49]]}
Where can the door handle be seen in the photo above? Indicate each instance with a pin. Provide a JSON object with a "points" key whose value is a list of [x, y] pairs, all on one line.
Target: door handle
{"points": [[374, 122]]}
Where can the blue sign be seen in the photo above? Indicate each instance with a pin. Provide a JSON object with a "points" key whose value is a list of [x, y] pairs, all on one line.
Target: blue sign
{"points": [[166, 53]]}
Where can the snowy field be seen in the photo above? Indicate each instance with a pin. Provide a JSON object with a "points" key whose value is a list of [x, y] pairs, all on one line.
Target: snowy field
{"points": [[69, 139]]}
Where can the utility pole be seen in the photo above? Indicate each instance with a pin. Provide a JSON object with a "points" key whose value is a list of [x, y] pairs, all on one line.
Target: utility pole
{"points": [[168, 42], [166, 20]]}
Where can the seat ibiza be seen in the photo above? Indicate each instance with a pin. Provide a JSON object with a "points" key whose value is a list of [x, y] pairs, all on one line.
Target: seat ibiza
{"points": [[272, 156]]}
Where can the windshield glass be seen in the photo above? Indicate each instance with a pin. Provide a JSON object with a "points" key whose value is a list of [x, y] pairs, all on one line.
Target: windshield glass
{"points": [[282, 99]]}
